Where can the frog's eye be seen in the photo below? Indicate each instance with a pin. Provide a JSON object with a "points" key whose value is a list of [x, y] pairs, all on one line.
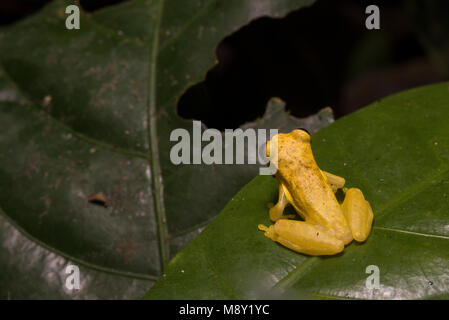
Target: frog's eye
{"points": [[305, 130]]}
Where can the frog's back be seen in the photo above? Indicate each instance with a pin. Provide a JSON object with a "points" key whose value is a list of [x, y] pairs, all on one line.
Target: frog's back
{"points": [[310, 194]]}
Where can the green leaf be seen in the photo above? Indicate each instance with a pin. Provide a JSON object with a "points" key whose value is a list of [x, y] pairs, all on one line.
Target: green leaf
{"points": [[397, 152], [32, 270], [90, 111]]}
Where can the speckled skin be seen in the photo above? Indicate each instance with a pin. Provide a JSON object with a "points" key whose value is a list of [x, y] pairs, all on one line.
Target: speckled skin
{"points": [[328, 226]]}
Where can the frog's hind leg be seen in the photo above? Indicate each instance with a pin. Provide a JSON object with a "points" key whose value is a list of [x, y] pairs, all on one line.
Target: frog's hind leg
{"points": [[276, 212], [303, 237], [358, 213]]}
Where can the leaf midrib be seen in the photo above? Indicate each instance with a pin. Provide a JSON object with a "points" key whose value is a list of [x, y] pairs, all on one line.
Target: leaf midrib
{"points": [[159, 208], [175, 36], [89, 140], [158, 196]]}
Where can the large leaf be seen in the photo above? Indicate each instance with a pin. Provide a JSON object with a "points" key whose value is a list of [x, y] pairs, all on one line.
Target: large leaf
{"points": [[90, 111], [397, 152]]}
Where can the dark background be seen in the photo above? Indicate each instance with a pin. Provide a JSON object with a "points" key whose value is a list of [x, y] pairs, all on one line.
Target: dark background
{"points": [[315, 57]]}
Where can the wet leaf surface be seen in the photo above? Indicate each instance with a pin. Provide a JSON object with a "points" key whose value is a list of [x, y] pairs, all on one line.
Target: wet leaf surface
{"points": [[89, 112], [397, 152]]}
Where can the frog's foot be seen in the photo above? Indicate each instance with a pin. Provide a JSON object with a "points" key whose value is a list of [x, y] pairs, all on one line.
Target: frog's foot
{"points": [[335, 182], [303, 237], [358, 213]]}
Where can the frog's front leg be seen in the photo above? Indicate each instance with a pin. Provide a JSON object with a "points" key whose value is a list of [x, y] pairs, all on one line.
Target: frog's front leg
{"points": [[303, 237], [358, 213], [276, 212], [334, 181]]}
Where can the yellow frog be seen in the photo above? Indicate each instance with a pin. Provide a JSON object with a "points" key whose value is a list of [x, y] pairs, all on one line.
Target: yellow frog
{"points": [[327, 226]]}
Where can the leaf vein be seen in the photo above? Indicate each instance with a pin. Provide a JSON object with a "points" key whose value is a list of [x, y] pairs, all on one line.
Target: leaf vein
{"points": [[79, 261], [158, 195], [42, 113], [412, 232]]}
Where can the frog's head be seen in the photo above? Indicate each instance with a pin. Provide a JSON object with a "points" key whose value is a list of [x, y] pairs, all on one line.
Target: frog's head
{"points": [[287, 151], [299, 136]]}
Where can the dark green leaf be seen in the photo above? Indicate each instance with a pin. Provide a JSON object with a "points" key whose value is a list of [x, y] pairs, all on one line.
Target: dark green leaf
{"points": [[397, 152], [90, 111]]}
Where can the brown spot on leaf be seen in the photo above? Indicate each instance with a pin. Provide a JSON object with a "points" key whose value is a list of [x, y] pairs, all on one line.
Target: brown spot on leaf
{"points": [[33, 164], [98, 199], [58, 182], [47, 202], [126, 249], [46, 102]]}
